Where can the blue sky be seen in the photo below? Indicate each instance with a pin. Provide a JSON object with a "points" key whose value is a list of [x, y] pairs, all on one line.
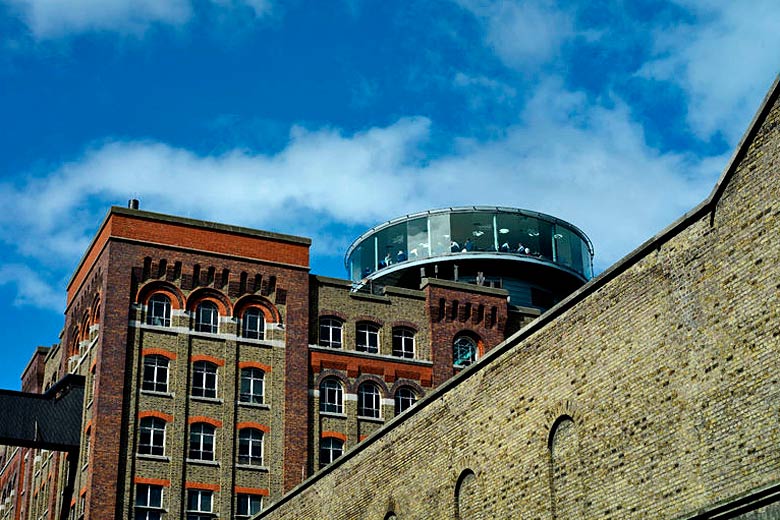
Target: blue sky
{"points": [[324, 118]]}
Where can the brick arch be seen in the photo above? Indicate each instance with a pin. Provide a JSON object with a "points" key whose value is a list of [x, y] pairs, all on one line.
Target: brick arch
{"points": [[216, 423], [371, 378], [473, 335], [255, 364], [327, 313], [253, 425], [159, 352], [335, 374], [84, 327], [406, 324], [94, 310], [159, 286], [367, 318], [248, 301], [209, 294], [334, 435], [205, 357], [155, 413], [408, 383]]}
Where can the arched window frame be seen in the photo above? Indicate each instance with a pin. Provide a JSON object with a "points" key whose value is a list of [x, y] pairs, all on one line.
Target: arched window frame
{"points": [[158, 310], [253, 323], [204, 379], [252, 386], [250, 447], [405, 397], [331, 396], [202, 441], [156, 373], [331, 448], [151, 436], [369, 401], [331, 332], [207, 317], [403, 342], [464, 351]]}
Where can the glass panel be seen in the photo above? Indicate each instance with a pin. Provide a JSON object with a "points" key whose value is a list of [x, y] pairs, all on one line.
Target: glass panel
{"points": [[362, 260], [391, 245], [417, 231], [568, 246], [440, 234], [473, 231]]}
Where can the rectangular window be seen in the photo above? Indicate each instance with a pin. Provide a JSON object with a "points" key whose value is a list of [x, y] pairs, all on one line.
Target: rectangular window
{"points": [[199, 504], [148, 502], [248, 506]]}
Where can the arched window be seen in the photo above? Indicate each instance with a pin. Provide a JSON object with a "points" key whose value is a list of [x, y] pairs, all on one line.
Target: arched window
{"points": [[252, 385], [253, 324], [330, 332], [207, 317], [367, 337], [404, 399], [250, 447], [204, 379], [331, 396], [464, 351], [152, 436], [331, 448], [465, 496], [158, 310], [369, 400], [403, 342], [202, 441], [155, 374]]}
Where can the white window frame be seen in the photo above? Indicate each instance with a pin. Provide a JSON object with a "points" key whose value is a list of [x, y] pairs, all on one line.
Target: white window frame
{"points": [[334, 332], [203, 373], [200, 494], [146, 510], [331, 396], [258, 331], [158, 310], [155, 434], [207, 317], [256, 390], [159, 366], [244, 509], [250, 447], [403, 342], [200, 432], [369, 401], [367, 337], [333, 448], [462, 342]]}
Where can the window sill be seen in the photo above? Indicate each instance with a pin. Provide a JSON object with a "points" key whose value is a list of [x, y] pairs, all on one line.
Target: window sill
{"points": [[335, 415], [149, 456], [154, 393], [261, 406], [200, 462], [250, 467], [370, 419], [213, 400]]}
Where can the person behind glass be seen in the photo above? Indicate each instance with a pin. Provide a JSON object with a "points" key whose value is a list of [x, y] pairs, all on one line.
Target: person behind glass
{"points": [[468, 246], [454, 247], [504, 247], [401, 256], [522, 249]]}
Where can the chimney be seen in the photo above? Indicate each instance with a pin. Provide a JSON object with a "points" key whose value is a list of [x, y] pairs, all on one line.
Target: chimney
{"points": [[132, 204]]}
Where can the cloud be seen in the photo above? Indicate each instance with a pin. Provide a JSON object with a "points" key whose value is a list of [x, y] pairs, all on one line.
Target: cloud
{"points": [[32, 290], [716, 59], [523, 34], [587, 163], [48, 19]]}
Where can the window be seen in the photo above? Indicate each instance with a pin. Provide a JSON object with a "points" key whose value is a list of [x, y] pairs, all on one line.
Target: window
{"points": [[403, 342], [199, 504], [248, 505], [330, 449], [158, 310], [204, 379], [207, 317], [148, 502], [250, 447], [330, 333], [152, 436], [202, 441], [331, 396], [404, 399], [367, 338], [253, 325], [155, 374], [464, 351], [368, 400], [252, 383]]}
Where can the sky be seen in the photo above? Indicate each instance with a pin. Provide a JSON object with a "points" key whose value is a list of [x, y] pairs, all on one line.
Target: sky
{"points": [[325, 118]]}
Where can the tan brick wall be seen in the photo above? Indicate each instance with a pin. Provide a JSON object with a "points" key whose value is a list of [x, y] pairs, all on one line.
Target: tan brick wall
{"points": [[658, 383]]}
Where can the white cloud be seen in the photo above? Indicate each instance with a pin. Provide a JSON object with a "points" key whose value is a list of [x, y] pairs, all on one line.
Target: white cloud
{"points": [[48, 19], [522, 33], [585, 163], [31, 289], [716, 60]]}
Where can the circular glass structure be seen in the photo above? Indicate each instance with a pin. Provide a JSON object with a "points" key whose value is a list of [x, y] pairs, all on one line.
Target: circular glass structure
{"points": [[490, 246]]}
